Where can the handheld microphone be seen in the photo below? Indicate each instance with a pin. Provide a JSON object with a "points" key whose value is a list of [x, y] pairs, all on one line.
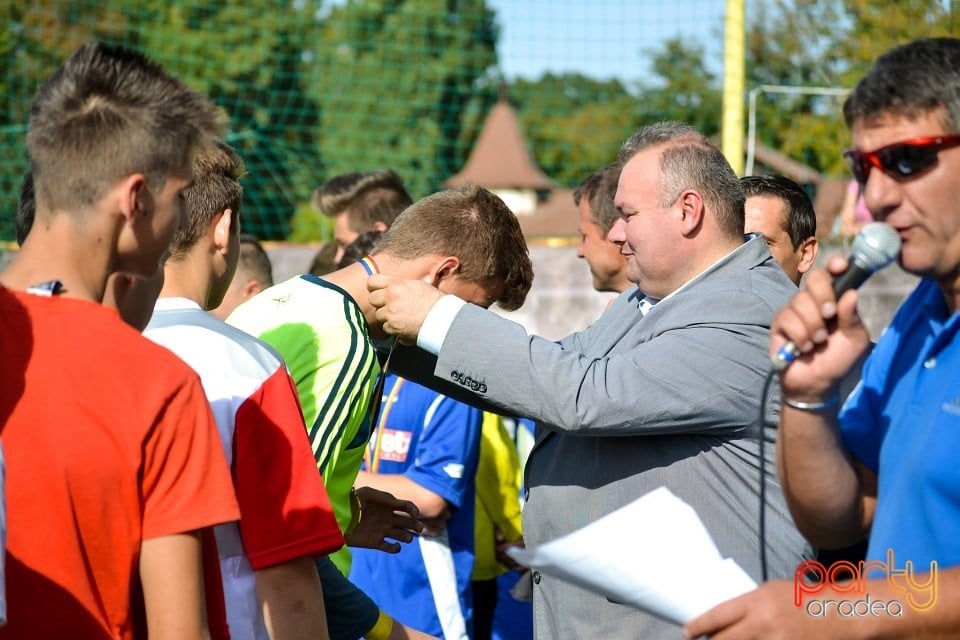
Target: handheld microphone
{"points": [[876, 246]]}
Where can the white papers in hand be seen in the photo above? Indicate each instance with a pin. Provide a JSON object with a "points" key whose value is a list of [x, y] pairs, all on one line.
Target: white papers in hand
{"points": [[653, 554]]}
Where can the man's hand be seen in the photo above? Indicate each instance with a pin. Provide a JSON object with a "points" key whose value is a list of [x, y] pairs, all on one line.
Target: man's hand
{"points": [[402, 304], [767, 613], [384, 518], [828, 332]]}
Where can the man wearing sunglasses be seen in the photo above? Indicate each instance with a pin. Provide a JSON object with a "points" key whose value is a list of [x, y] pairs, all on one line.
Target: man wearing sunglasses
{"points": [[887, 462]]}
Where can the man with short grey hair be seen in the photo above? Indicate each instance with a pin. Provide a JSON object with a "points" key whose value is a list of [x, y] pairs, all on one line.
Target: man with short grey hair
{"points": [[664, 389]]}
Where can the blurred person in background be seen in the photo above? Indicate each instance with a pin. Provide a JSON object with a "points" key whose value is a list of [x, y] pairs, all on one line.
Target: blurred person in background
{"points": [[781, 210], [361, 201], [594, 200]]}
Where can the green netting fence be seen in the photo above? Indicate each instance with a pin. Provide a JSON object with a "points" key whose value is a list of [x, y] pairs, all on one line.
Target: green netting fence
{"points": [[313, 89]]}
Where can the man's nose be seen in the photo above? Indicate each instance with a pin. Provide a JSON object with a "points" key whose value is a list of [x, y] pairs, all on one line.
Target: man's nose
{"points": [[616, 233]]}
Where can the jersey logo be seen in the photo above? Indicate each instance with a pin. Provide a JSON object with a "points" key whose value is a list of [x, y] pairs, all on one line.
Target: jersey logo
{"points": [[395, 445], [454, 470]]}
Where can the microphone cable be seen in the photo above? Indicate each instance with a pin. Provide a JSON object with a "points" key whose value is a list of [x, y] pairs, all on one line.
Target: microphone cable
{"points": [[876, 246], [761, 443]]}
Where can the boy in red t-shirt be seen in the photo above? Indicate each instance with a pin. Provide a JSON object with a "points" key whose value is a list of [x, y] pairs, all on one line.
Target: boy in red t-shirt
{"points": [[113, 460]]}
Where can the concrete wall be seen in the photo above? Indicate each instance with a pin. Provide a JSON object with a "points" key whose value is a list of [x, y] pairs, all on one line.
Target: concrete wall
{"points": [[562, 299]]}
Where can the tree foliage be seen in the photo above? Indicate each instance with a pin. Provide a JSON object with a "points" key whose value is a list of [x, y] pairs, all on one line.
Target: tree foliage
{"points": [[315, 88], [793, 43], [392, 79], [574, 124], [824, 43], [682, 88], [247, 57]]}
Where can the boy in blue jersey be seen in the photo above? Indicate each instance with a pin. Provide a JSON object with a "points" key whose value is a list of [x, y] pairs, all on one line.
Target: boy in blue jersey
{"points": [[424, 449]]}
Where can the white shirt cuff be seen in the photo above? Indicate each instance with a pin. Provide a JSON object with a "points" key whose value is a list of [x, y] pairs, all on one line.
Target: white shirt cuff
{"points": [[437, 323]]}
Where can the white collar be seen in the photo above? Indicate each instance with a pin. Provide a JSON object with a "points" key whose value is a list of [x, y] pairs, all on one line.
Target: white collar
{"points": [[175, 303]]}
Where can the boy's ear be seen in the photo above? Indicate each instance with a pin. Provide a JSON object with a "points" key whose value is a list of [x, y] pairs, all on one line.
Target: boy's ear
{"points": [[132, 196], [251, 288], [445, 268], [221, 229]]}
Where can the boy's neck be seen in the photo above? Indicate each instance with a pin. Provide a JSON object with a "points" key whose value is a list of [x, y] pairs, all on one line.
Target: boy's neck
{"points": [[353, 280], [62, 251], [188, 277]]}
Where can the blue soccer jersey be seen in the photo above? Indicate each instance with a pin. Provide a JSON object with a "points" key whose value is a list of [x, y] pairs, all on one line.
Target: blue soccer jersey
{"points": [[433, 441], [903, 422]]}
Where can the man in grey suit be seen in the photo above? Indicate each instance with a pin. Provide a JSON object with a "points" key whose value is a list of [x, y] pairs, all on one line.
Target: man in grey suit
{"points": [[663, 390]]}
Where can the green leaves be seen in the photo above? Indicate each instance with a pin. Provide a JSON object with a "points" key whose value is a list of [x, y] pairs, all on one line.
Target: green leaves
{"points": [[313, 89], [824, 43], [392, 79], [574, 124]]}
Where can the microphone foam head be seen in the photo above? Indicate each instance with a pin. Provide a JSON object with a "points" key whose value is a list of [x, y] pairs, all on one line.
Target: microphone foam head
{"points": [[876, 246]]}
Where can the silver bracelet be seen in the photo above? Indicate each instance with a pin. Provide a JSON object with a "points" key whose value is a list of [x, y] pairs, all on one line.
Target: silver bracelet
{"points": [[813, 406]]}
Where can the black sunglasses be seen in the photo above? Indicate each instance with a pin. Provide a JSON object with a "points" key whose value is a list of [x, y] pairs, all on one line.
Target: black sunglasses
{"points": [[900, 160]]}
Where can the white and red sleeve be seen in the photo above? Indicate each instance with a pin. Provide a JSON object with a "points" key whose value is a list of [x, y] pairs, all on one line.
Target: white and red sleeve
{"points": [[285, 512]]}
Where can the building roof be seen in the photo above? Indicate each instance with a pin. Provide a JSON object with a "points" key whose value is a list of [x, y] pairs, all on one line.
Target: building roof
{"points": [[500, 158], [557, 217], [785, 165]]}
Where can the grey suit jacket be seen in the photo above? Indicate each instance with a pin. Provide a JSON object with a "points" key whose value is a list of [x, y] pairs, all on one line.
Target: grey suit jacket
{"points": [[633, 403]]}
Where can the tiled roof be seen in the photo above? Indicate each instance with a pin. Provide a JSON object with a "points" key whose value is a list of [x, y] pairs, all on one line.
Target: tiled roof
{"points": [[500, 158]]}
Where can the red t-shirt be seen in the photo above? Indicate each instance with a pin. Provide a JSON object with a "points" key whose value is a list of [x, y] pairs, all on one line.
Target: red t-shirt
{"points": [[109, 441]]}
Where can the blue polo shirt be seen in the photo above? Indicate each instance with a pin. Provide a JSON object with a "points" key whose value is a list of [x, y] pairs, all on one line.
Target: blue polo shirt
{"points": [[435, 442], [903, 422]]}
